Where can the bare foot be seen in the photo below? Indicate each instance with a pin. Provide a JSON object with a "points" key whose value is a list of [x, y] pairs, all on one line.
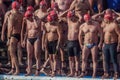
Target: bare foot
{"points": [[8, 64], [70, 75], [42, 71], [16, 73], [63, 73], [37, 72], [28, 74], [21, 64], [94, 76], [105, 76], [11, 72], [53, 74], [116, 75], [34, 66], [76, 74], [82, 74]]}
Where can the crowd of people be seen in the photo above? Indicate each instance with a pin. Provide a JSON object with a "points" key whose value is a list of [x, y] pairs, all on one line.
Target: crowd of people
{"points": [[52, 25]]}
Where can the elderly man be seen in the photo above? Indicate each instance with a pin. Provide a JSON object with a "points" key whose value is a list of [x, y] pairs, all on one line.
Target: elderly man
{"points": [[90, 29]]}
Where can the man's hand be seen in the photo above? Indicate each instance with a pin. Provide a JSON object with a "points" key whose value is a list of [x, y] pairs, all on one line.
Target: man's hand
{"points": [[23, 44], [57, 47], [100, 46], [81, 47], [118, 48], [43, 47], [8, 42]]}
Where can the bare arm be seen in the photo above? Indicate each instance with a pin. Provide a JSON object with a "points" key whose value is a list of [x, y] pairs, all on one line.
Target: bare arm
{"points": [[23, 31], [79, 16], [80, 36], [100, 35], [4, 27], [117, 30], [72, 6], [44, 41], [118, 14], [59, 35]]}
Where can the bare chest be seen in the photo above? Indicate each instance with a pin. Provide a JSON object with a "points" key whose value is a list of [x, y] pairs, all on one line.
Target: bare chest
{"points": [[41, 15], [32, 25], [108, 28], [51, 28], [90, 28]]}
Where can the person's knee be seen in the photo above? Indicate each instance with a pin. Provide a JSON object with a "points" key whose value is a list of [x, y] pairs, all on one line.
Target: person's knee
{"points": [[30, 55], [84, 60], [70, 58], [37, 54], [50, 58]]}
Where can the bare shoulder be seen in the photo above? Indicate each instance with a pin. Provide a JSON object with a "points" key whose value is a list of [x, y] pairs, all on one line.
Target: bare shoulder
{"points": [[82, 25], [7, 13], [115, 24], [46, 24], [36, 12], [24, 19], [103, 24]]}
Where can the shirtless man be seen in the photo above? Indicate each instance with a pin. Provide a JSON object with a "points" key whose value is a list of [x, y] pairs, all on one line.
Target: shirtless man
{"points": [[90, 29], [42, 11], [61, 6], [14, 19], [111, 44], [32, 38], [80, 6], [53, 37], [73, 47]]}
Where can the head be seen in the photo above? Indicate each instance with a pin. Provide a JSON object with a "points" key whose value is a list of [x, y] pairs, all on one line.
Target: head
{"points": [[71, 15], [43, 5], [87, 18], [30, 8], [28, 14], [108, 17], [52, 17], [54, 5], [108, 11], [15, 5]]}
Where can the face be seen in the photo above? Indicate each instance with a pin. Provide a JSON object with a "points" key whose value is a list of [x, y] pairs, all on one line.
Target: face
{"points": [[73, 18], [43, 7], [87, 18]]}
